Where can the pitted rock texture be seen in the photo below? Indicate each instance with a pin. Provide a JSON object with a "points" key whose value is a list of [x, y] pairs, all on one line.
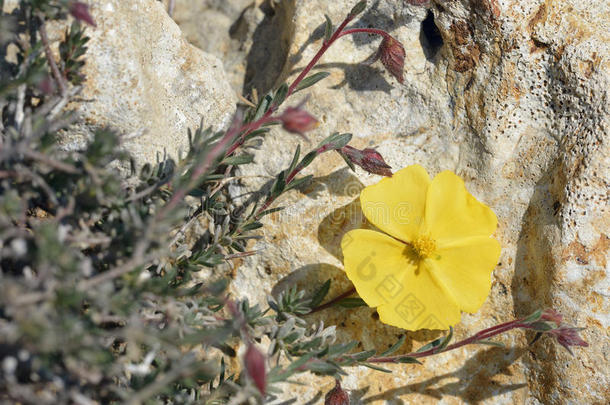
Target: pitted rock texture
{"points": [[146, 81], [512, 95]]}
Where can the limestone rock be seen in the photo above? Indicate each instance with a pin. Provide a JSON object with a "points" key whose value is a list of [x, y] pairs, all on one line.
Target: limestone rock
{"points": [[143, 77], [251, 37], [512, 96]]}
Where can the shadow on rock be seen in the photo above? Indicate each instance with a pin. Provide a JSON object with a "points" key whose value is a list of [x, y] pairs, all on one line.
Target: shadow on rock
{"points": [[270, 46], [475, 383], [361, 323]]}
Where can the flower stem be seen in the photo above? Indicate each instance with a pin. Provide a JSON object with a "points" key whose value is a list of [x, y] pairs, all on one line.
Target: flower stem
{"points": [[365, 30], [333, 301], [477, 337], [336, 35]]}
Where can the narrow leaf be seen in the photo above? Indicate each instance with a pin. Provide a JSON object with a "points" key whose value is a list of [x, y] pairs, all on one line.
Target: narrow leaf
{"points": [[357, 9], [341, 348], [395, 346], [242, 159], [296, 183], [360, 356], [408, 360], [447, 339], [328, 28], [311, 80], [320, 294], [534, 316], [295, 159], [491, 343], [374, 367], [280, 94]]}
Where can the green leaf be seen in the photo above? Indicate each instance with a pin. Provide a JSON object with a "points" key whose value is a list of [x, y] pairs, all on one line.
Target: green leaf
{"points": [[431, 345], [336, 141], [438, 344], [491, 343], [395, 346], [320, 294], [296, 183], [341, 348], [534, 316], [351, 303], [360, 356], [541, 326], [374, 367], [242, 159], [307, 159], [311, 80], [357, 9], [280, 94], [251, 226], [295, 159], [407, 360], [446, 340], [279, 185], [324, 367], [328, 28], [263, 106]]}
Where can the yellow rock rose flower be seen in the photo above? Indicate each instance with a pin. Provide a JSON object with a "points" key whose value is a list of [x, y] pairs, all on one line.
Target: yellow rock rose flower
{"points": [[437, 257]]}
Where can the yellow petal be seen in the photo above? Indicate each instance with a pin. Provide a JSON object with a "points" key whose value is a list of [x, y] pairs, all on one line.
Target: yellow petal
{"points": [[422, 304], [396, 204], [452, 213], [376, 263], [465, 268], [386, 275]]}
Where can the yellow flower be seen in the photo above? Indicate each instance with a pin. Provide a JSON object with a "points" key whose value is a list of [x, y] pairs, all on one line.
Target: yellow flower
{"points": [[437, 256]]}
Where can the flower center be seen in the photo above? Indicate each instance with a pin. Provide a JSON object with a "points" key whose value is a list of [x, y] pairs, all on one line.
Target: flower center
{"points": [[424, 246]]}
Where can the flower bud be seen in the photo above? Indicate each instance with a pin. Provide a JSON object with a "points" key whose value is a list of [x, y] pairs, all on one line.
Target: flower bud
{"points": [[568, 336], [368, 159], [80, 11], [337, 396], [392, 56], [255, 366], [297, 120], [551, 315]]}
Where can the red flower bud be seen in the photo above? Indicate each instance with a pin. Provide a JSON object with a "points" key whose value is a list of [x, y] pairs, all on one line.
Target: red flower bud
{"points": [[368, 159], [80, 11], [568, 336], [392, 56], [337, 396], [255, 366], [297, 120], [552, 316]]}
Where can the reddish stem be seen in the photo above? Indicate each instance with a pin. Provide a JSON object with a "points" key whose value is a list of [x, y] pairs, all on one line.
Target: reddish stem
{"points": [[336, 35], [366, 30], [477, 337], [333, 301]]}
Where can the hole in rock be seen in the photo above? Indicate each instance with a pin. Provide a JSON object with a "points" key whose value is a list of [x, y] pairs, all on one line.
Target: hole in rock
{"points": [[430, 37]]}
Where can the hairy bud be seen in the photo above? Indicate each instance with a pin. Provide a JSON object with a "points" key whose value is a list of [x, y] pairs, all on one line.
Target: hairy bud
{"points": [[297, 120], [392, 55], [80, 11], [368, 159], [337, 396], [255, 366]]}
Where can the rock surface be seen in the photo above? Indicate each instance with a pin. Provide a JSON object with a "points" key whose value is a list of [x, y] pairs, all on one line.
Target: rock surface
{"points": [[144, 78], [513, 96], [250, 37]]}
